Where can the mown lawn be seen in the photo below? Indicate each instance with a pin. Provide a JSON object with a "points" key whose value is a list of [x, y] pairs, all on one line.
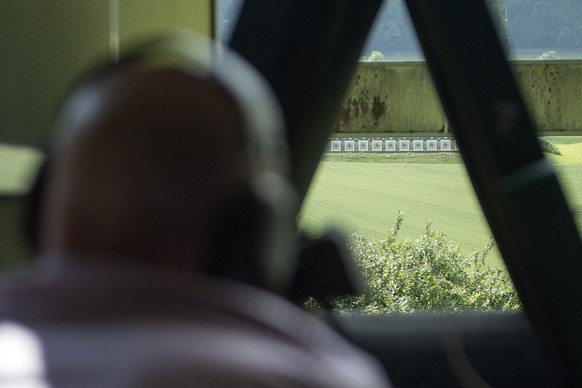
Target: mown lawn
{"points": [[366, 198], [364, 194]]}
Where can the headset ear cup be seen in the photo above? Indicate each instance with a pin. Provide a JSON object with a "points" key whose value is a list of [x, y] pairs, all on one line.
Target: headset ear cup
{"points": [[325, 270], [33, 205], [237, 242], [256, 240]]}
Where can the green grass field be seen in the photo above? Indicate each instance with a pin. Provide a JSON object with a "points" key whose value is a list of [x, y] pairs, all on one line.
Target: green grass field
{"points": [[364, 194]]}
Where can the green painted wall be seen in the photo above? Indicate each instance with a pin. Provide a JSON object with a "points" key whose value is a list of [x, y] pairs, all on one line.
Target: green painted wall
{"points": [[144, 17], [400, 97], [45, 45]]}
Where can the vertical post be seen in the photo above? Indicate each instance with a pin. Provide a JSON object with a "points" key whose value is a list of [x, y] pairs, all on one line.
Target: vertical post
{"points": [[518, 190], [308, 51], [114, 30]]}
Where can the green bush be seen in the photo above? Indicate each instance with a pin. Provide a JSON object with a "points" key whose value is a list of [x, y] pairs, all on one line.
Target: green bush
{"points": [[549, 147], [426, 274], [375, 56], [549, 55]]}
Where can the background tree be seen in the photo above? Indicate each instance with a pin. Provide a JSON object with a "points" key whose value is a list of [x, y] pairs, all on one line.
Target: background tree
{"points": [[227, 15], [525, 25], [499, 15], [545, 24], [393, 33]]}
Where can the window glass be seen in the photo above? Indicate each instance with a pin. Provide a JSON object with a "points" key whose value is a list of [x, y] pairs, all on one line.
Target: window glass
{"points": [[226, 15], [396, 183], [528, 29], [392, 37], [400, 190], [542, 29]]}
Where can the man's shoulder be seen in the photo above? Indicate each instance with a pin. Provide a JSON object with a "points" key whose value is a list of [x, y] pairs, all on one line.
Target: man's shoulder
{"points": [[205, 328]]}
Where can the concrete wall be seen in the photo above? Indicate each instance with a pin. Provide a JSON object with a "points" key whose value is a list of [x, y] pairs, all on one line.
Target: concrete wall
{"points": [[400, 97], [392, 97], [553, 92]]}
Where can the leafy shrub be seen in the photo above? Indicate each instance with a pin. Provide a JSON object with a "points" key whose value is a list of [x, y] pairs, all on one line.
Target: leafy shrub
{"points": [[374, 56], [549, 147], [549, 55], [428, 274]]}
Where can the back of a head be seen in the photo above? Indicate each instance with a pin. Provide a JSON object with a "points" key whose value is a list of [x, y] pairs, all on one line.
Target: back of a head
{"points": [[174, 158], [165, 157]]}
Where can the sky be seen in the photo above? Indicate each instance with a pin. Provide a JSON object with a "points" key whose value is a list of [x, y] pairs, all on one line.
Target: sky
{"points": [[536, 28]]}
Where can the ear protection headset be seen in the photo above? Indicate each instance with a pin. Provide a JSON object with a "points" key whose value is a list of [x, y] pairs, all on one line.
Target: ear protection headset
{"points": [[255, 238]]}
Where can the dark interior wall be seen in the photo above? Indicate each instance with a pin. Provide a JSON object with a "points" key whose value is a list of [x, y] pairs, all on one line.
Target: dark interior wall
{"points": [[44, 45]]}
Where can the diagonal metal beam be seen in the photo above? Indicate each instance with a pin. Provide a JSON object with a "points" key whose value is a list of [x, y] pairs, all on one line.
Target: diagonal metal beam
{"points": [[517, 187], [308, 51]]}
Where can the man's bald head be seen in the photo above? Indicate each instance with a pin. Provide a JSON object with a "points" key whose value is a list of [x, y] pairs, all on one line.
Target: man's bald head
{"points": [[143, 162]]}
